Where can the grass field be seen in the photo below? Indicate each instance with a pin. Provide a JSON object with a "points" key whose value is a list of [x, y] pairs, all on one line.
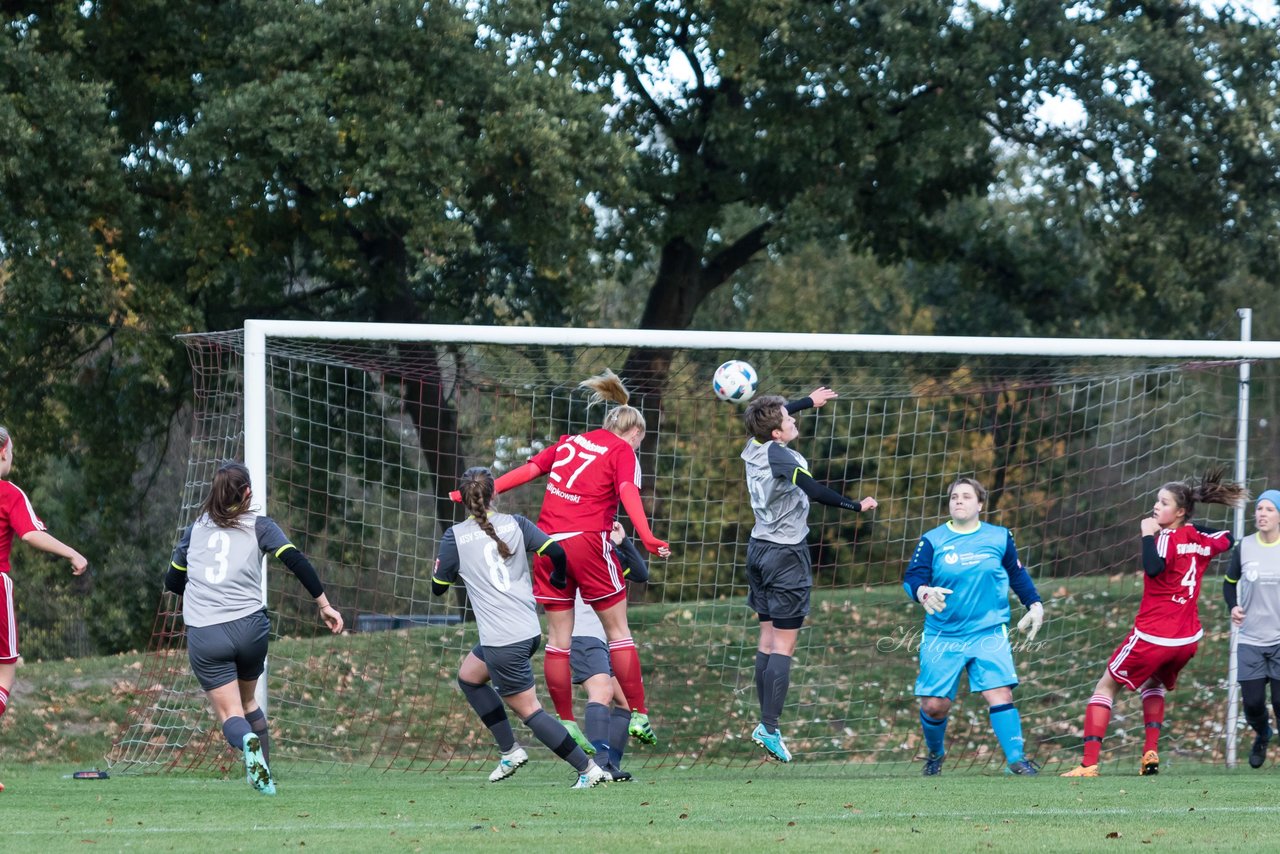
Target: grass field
{"points": [[66, 715], [389, 700], [814, 808]]}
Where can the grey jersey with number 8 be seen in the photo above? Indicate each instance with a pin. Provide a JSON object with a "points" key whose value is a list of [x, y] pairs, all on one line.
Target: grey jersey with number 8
{"points": [[224, 567], [500, 591], [781, 507]]}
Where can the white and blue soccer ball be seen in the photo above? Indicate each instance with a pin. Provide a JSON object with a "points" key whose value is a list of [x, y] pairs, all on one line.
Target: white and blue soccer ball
{"points": [[735, 381]]}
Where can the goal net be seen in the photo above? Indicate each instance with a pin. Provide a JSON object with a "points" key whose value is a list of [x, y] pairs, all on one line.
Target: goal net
{"points": [[363, 439]]}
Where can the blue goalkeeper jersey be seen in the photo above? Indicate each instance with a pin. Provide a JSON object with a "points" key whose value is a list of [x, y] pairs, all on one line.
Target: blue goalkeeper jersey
{"points": [[978, 567]]}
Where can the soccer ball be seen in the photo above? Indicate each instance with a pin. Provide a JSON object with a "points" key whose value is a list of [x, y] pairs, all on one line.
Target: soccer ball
{"points": [[735, 381]]}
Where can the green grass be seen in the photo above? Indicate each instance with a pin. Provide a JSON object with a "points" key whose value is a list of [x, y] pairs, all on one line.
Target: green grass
{"points": [[803, 808], [860, 791], [388, 699], [70, 710]]}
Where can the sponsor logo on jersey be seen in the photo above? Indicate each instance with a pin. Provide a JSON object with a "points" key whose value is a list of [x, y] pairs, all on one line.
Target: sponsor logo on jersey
{"points": [[463, 539], [1193, 548], [584, 442], [565, 495]]}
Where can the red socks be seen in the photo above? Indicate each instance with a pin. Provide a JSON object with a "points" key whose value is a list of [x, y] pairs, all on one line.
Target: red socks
{"points": [[1152, 716], [626, 667], [1097, 715], [559, 681]]}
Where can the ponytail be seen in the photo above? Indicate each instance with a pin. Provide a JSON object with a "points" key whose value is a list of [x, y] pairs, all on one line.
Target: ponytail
{"points": [[607, 387], [1209, 489], [228, 498]]}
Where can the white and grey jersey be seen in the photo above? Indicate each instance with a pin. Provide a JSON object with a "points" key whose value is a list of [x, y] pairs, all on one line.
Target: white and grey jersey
{"points": [[781, 507], [1258, 591], [224, 567], [500, 591]]}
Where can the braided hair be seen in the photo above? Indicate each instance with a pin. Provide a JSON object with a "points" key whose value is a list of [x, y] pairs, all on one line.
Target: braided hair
{"points": [[477, 495]]}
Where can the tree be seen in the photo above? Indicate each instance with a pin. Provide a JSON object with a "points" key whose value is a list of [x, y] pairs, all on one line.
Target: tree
{"points": [[1150, 215], [890, 126]]}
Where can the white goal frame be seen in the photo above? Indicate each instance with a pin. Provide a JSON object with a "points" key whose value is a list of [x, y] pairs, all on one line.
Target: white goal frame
{"points": [[257, 332]]}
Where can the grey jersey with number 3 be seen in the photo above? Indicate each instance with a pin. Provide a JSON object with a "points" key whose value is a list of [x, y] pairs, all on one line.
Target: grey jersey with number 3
{"points": [[781, 507], [500, 591], [224, 567]]}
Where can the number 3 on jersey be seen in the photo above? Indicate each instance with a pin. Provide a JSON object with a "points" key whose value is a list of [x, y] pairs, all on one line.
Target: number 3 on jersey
{"points": [[220, 545], [565, 455]]}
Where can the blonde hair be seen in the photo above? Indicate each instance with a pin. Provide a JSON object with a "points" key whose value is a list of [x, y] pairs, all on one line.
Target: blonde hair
{"points": [[607, 387]]}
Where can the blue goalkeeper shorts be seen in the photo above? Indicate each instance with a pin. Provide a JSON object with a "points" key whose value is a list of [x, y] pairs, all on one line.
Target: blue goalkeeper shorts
{"points": [[985, 656]]}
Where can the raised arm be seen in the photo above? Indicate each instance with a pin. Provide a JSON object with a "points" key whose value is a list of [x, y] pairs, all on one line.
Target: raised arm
{"points": [[784, 464], [815, 400], [516, 477], [634, 505], [510, 480]]}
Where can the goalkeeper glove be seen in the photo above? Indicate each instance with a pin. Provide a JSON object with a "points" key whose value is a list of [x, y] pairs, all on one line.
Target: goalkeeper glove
{"points": [[934, 599], [1033, 619]]}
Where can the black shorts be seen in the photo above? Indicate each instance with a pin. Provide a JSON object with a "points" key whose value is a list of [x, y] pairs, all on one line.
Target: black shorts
{"points": [[1257, 662], [225, 652], [588, 657], [779, 578], [509, 667]]}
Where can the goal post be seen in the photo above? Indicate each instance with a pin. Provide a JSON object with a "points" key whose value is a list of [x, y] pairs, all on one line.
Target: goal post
{"points": [[354, 433]]}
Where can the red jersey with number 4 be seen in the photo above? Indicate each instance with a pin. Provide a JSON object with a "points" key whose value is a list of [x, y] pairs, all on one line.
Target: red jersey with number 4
{"points": [[1170, 600], [585, 474], [17, 517]]}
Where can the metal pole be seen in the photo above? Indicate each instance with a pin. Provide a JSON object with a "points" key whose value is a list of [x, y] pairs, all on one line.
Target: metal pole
{"points": [[255, 441], [1242, 459]]}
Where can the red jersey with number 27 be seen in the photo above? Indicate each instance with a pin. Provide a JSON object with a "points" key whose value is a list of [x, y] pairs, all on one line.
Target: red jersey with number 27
{"points": [[585, 474], [16, 517], [1170, 600]]}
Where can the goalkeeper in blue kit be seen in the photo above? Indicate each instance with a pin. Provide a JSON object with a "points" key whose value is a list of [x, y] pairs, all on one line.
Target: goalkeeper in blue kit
{"points": [[961, 572]]}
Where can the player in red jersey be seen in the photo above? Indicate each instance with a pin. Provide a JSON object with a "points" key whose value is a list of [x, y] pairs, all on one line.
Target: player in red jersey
{"points": [[18, 518], [1175, 554], [587, 475]]}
